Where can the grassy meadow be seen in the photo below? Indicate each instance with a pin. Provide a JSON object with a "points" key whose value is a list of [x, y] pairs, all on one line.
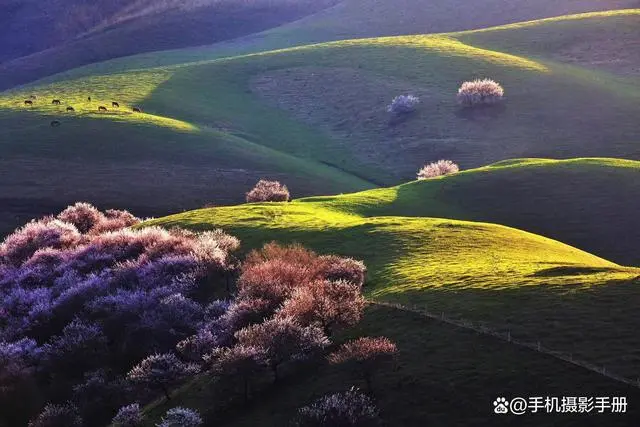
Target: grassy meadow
{"points": [[330, 132], [542, 245]]}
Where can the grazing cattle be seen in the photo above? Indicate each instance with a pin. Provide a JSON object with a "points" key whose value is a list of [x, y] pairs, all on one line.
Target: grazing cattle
{"points": [[55, 124], [27, 102], [137, 110], [70, 109], [56, 102], [101, 108], [115, 104], [88, 98], [33, 97]]}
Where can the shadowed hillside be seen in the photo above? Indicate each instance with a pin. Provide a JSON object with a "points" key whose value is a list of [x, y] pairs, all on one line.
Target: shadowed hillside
{"points": [[44, 38], [161, 25], [330, 132], [536, 288], [587, 203]]}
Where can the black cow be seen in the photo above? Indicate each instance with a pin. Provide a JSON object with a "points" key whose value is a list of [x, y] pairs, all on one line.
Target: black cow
{"points": [[102, 108], [27, 102], [56, 102], [115, 104], [137, 110], [55, 124], [70, 109], [88, 98]]}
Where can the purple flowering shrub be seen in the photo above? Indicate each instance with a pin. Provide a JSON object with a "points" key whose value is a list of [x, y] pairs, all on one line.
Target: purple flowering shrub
{"points": [[82, 292], [350, 408], [128, 416], [65, 415], [161, 371], [181, 417]]}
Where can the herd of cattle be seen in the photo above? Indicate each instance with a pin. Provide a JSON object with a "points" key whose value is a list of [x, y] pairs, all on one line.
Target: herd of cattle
{"points": [[101, 108]]}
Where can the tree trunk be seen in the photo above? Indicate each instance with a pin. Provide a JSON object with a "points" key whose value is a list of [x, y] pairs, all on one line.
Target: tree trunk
{"points": [[369, 381], [166, 392]]}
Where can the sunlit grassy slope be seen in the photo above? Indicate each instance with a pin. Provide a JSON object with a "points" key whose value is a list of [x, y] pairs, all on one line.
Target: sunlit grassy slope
{"points": [[588, 203], [340, 90], [538, 288], [209, 130], [147, 162], [363, 18]]}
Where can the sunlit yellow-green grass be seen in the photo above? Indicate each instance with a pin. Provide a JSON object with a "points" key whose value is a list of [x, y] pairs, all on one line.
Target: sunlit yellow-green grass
{"points": [[128, 90], [538, 288], [551, 109]]}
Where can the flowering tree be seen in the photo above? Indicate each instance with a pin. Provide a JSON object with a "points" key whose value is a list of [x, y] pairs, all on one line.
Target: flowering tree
{"points": [[366, 356], [480, 92], [403, 104], [331, 305], [239, 362], [347, 409], [128, 416], [439, 168], [83, 215], [65, 415], [282, 340], [80, 347], [335, 268], [19, 246], [18, 388], [161, 371], [268, 191], [181, 417]]}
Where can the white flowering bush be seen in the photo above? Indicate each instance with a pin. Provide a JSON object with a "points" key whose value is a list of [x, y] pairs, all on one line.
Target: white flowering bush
{"points": [[128, 416], [181, 417], [480, 92], [403, 104], [268, 191], [350, 408], [439, 168]]}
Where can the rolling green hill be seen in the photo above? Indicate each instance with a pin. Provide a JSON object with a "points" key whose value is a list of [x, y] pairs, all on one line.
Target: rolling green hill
{"points": [[536, 287], [587, 203], [210, 129], [43, 38], [351, 19]]}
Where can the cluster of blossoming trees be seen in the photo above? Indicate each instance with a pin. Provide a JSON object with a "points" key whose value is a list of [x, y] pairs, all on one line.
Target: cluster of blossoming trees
{"points": [[475, 93], [96, 317]]}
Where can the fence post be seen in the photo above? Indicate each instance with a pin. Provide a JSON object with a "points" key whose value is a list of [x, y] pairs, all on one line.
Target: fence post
{"points": [[442, 316], [509, 336], [604, 370], [539, 346]]}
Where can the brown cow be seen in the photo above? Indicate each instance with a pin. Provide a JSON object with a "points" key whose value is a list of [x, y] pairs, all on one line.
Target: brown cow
{"points": [[70, 108], [115, 104], [56, 102], [55, 124], [27, 102], [102, 108], [137, 110]]}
